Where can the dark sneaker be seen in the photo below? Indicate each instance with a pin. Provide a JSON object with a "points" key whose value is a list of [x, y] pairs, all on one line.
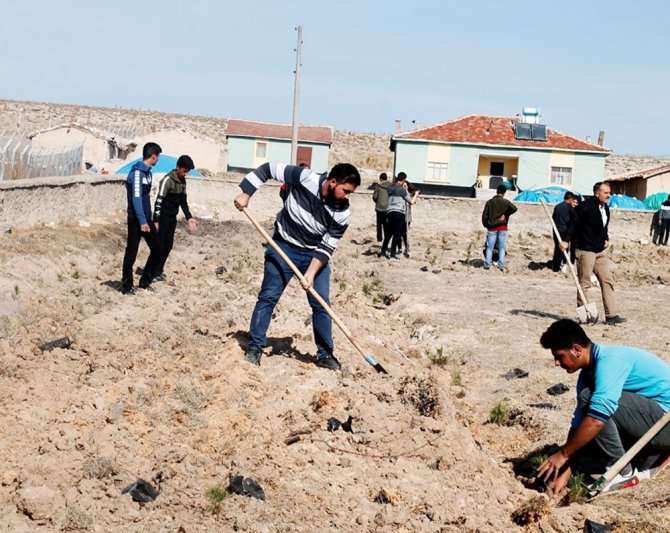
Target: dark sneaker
{"points": [[146, 287], [253, 355], [128, 292], [160, 277], [329, 363], [614, 320]]}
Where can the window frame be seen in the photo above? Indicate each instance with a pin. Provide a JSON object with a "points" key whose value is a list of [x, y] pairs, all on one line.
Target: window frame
{"points": [[442, 169], [556, 172]]}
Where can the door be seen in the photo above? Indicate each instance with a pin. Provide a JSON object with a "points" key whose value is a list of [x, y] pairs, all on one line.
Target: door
{"points": [[304, 156]]}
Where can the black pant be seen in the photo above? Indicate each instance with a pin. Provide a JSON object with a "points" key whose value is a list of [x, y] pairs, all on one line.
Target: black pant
{"points": [[396, 223], [558, 259], [166, 229], [135, 233], [382, 227], [665, 231]]}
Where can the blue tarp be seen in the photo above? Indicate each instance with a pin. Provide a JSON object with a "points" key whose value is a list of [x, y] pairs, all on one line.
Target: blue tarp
{"points": [[165, 164], [654, 201], [625, 202], [551, 195]]}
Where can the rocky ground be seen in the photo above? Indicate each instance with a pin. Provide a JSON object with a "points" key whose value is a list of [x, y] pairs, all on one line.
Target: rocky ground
{"points": [[155, 386]]}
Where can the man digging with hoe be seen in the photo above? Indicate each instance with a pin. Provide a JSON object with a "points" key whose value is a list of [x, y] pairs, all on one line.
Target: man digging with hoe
{"points": [[308, 229]]}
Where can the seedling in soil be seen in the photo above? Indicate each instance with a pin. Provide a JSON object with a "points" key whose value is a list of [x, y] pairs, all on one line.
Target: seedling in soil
{"points": [[468, 252], [578, 491], [76, 274], [456, 378], [343, 286], [376, 283], [499, 413], [60, 277], [215, 497], [438, 357], [445, 244], [537, 460], [367, 289], [16, 290]]}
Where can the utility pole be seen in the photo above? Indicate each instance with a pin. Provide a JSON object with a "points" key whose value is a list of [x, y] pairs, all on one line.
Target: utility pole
{"points": [[296, 97]]}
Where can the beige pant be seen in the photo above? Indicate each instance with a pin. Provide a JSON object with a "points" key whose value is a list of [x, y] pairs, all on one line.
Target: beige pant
{"points": [[598, 264]]}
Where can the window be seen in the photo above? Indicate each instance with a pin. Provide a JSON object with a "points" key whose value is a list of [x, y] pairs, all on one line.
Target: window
{"points": [[497, 168], [261, 150], [561, 175], [437, 171]]}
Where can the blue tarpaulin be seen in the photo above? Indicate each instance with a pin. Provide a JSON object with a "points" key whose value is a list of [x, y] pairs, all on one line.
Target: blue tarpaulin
{"points": [[165, 164], [551, 195], [654, 201], [626, 202]]}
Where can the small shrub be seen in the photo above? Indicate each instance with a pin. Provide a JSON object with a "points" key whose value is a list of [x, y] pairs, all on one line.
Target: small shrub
{"points": [[499, 413], [16, 290], [536, 460], [60, 277], [76, 274], [444, 244], [343, 286], [367, 289], [578, 491], [456, 378], [215, 497], [438, 357]]}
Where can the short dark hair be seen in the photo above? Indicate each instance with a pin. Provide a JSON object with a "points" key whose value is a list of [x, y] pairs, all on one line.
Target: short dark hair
{"points": [[186, 162], [401, 176], [150, 149], [501, 189], [345, 173], [563, 334], [597, 185], [569, 195], [383, 176]]}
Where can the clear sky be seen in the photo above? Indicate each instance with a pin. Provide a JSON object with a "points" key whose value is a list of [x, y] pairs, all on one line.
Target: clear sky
{"points": [[588, 65]]}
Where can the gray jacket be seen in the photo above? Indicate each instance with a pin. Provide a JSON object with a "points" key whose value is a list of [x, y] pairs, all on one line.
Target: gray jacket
{"points": [[398, 197]]}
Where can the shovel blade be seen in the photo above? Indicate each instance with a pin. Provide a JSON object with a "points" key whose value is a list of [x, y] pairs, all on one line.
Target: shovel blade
{"points": [[588, 314]]}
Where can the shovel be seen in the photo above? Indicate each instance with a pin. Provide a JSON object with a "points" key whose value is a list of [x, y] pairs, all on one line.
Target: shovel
{"points": [[371, 360], [587, 313]]}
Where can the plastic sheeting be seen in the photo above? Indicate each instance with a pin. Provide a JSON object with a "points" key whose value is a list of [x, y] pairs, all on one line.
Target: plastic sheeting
{"points": [[654, 201], [626, 202], [551, 195], [165, 164]]}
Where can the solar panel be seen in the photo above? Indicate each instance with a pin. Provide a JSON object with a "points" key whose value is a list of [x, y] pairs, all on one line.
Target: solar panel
{"points": [[539, 132], [523, 131]]}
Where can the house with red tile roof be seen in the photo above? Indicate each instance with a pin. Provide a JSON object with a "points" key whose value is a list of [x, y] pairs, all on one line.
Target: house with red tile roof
{"points": [[642, 183], [456, 157], [250, 144]]}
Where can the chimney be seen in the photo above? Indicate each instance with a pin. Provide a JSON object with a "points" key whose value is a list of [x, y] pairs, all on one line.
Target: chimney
{"points": [[601, 137], [398, 125], [416, 124]]}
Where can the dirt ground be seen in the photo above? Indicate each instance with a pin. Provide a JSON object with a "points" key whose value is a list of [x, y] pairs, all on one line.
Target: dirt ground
{"points": [[155, 386]]}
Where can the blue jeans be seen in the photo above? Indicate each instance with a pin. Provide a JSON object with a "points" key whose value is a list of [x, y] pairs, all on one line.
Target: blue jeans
{"points": [[491, 238], [276, 276]]}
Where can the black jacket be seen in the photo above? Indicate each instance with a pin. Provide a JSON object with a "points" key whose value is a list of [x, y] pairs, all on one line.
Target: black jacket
{"points": [[590, 233], [171, 196], [564, 217]]}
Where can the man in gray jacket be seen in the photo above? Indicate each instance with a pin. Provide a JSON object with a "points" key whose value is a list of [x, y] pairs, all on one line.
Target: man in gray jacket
{"points": [[381, 198]]}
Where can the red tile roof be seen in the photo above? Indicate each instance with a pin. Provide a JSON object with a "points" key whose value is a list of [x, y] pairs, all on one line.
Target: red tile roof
{"points": [[265, 130], [644, 173], [482, 129]]}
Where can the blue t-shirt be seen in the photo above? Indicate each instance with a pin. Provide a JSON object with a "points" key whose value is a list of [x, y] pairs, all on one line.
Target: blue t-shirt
{"points": [[614, 369]]}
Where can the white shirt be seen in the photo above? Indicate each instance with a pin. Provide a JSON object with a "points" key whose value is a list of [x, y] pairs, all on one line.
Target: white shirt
{"points": [[603, 214]]}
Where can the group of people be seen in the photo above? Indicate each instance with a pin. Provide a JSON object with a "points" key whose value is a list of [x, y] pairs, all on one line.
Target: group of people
{"points": [[621, 391], [393, 208], [156, 229]]}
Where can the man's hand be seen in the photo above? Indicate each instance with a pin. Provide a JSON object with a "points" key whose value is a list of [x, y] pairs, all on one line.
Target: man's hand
{"points": [[550, 469], [502, 218], [156, 225], [560, 483], [241, 201], [607, 244], [563, 246], [144, 228], [308, 282], [192, 225]]}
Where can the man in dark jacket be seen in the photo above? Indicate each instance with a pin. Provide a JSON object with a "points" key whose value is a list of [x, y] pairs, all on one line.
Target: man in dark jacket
{"points": [[381, 198], [398, 197], [171, 196], [494, 218], [664, 222], [138, 187], [564, 217], [591, 240]]}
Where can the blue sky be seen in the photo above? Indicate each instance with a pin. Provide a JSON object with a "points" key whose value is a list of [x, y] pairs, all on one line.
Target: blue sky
{"points": [[588, 65]]}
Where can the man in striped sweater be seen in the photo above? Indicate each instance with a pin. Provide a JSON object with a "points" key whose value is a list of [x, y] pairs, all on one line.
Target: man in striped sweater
{"points": [[308, 229]]}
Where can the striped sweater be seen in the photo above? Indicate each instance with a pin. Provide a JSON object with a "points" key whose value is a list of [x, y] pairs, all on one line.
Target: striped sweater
{"points": [[307, 220]]}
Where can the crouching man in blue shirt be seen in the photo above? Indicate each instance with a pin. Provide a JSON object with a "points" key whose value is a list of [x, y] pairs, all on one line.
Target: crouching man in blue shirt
{"points": [[621, 393]]}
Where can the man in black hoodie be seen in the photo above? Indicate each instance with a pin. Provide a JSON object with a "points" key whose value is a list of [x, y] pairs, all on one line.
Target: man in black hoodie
{"points": [[592, 239], [564, 218]]}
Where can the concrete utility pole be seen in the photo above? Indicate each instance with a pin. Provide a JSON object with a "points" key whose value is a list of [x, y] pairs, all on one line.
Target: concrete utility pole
{"points": [[296, 97]]}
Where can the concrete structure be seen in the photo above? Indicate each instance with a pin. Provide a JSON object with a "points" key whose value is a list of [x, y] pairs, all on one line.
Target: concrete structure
{"points": [[250, 144], [456, 156], [642, 183]]}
